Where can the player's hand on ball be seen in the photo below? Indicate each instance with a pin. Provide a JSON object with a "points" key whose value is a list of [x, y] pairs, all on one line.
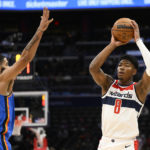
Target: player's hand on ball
{"points": [[136, 30], [116, 43], [45, 20]]}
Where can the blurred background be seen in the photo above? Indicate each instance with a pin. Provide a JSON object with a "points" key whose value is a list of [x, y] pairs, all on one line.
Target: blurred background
{"points": [[81, 29]]}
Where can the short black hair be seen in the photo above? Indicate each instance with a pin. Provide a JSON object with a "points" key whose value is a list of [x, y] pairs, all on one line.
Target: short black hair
{"points": [[1, 59], [132, 59]]}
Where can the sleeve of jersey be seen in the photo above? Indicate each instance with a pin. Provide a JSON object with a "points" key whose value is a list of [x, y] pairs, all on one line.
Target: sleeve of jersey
{"points": [[145, 54]]}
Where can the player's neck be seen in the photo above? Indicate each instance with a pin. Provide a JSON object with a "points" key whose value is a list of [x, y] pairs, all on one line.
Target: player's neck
{"points": [[125, 83]]}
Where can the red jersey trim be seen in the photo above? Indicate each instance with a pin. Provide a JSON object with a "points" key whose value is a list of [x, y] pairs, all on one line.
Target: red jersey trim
{"points": [[116, 86], [136, 144]]}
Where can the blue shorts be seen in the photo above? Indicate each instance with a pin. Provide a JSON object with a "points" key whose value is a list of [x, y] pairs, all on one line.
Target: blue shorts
{"points": [[7, 116], [4, 143]]}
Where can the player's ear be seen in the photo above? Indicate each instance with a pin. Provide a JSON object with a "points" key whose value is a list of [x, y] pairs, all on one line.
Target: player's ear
{"points": [[134, 71]]}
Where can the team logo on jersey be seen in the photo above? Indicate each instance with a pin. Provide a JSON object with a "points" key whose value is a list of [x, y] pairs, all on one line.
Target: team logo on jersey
{"points": [[126, 95]]}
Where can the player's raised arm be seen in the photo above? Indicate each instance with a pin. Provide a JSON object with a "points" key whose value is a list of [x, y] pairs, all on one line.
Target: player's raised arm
{"points": [[98, 75], [143, 86], [29, 51]]}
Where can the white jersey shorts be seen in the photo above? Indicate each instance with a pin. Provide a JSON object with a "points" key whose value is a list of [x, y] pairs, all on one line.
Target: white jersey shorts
{"points": [[117, 144]]}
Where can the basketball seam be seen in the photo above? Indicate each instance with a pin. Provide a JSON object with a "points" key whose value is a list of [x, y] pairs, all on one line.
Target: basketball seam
{"points": [[121, 30]]}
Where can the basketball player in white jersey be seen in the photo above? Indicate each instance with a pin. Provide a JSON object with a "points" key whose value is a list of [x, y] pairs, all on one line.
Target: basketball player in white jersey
{"points": [[122, 99]]}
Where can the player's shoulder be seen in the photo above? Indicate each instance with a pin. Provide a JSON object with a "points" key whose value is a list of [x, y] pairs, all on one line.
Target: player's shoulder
{"points": [[109, 81], [1, 77], [5, 74]]}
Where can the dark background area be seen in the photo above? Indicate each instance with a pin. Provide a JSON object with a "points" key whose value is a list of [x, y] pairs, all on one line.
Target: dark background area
{"points": [[61, 67]]}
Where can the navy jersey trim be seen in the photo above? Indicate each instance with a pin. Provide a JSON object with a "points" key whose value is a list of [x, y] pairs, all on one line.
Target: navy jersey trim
{"points": [[125, 103]]}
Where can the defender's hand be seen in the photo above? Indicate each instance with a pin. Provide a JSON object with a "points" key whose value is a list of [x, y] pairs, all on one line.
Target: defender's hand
{"points": [[45, 20]]}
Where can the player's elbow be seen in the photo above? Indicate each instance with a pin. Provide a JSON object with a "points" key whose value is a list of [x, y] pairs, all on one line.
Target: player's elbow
{"points": [[92, 68]]}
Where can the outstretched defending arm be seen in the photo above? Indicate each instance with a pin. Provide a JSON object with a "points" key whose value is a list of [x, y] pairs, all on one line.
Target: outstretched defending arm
{"points": [[32, 46], [98, 75], [143, 86], [29, 51]]}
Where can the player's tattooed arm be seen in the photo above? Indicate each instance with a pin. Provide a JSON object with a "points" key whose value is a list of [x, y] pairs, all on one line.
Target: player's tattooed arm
{"points": [[31, 48], [29, 51], [32, 42]]}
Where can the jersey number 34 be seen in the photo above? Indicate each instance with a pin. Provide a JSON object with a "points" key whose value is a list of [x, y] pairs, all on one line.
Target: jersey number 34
{"points": [[118, 103]]}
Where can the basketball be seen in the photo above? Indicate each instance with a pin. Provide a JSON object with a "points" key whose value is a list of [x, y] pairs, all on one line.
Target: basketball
{"points": [[122, 30]]}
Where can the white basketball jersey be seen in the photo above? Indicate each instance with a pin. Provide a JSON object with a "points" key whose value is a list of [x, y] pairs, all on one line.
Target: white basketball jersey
{"points": [[120, 111]]}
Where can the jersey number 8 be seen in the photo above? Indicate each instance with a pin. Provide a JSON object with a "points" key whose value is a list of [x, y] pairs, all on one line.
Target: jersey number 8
{"points": [[118, 103]]}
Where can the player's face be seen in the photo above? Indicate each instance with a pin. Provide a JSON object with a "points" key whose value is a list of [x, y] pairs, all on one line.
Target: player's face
{"points": [[125, 70], [4, 65], [5, 62]]}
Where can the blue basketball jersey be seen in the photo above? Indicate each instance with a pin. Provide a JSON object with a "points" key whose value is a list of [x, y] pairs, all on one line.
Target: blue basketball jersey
{"points": [[7, 117]]}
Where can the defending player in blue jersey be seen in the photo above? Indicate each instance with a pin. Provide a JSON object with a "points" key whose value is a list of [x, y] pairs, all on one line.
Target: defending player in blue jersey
{"points": [[122, 99], [7, 77]]}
